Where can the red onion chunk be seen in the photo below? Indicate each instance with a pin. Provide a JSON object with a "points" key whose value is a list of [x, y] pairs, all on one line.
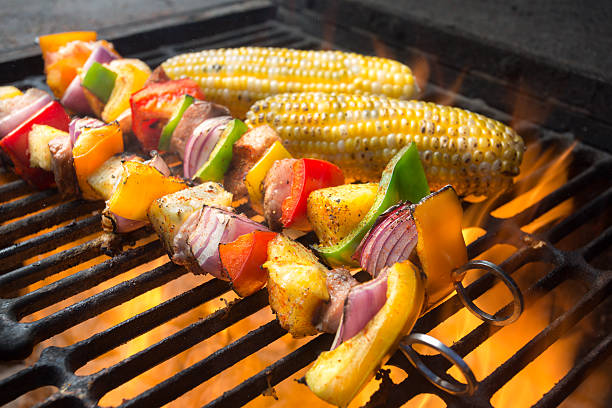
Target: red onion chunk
{"points": [[123, 225], [391, 240], [158, 162], [361, 305], [76, 124], [216, 226], [74, 98], [202, 142], [19, 115]]}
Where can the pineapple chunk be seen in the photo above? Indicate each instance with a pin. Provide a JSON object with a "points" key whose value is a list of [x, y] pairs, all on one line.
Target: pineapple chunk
{"points": [[296, 285], [335, 211], [38, 145]]}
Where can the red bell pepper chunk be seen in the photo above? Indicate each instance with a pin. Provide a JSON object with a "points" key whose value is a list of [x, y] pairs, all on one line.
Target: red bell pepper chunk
{"points": [[243, 258], [153, 106], [308, 175], [15, 144]]}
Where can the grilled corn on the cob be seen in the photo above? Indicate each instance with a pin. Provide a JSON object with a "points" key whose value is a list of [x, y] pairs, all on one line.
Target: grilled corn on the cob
{"points": [[238, 77], [360, 133]]}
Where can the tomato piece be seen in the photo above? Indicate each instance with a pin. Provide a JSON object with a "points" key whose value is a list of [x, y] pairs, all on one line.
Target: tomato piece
{"points": [[308, 175], [243, 258], [15, 144], [155, 104]]}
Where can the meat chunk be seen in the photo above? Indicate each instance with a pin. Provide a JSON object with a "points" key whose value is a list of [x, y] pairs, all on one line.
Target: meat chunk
{"points": [[62, 166], [197, 113], [247, 151], [339, 282], [277, 186], [158, 75]]}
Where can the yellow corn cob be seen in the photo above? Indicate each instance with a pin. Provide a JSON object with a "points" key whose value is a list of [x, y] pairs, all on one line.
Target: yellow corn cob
{"points": [[238, 77], [360, 133]]}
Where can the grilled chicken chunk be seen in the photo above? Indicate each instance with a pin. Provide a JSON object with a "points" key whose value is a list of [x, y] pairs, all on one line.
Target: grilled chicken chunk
{"points": [[168, 213]]}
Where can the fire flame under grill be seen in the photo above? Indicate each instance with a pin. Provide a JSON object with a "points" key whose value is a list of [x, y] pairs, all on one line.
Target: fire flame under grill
{"points": [[551, 231]]}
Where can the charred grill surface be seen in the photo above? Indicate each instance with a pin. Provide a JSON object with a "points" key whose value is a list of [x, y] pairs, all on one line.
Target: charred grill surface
{"points": [[24, 212]]}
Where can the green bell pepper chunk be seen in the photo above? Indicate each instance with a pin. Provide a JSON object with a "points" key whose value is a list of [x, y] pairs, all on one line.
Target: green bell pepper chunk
{"points": [[168, 130], [217, 164], [100, 81], [402, 180]]}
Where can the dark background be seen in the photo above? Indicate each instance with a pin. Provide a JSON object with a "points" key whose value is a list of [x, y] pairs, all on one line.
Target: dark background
{"points": [[574, 33]]}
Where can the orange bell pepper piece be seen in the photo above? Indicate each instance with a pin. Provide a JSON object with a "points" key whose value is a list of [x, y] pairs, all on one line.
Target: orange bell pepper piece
{"points": [[139, 186], [53, 42], [243, 258], [93, 147]]}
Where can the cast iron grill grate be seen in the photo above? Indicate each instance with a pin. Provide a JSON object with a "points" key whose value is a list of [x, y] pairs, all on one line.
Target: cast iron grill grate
{"points": [[24, 212]]}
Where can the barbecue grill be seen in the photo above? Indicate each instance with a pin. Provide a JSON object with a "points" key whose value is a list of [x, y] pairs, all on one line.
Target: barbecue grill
{"points": [[572, 249]]}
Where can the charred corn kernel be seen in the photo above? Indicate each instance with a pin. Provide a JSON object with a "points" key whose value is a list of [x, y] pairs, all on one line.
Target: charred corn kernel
{"points": [[360, 134], [237, 77]]}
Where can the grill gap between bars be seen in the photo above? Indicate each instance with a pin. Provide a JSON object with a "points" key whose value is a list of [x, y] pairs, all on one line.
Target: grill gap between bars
{"points": [[57, 366]]}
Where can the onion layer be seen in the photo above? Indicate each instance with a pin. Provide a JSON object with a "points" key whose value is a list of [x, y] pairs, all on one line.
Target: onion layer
{"points": [[76, 124], [158, 162], [216, 226], [202, 142], [115, 223], [16, 118], [361, 305], [392, 239]]}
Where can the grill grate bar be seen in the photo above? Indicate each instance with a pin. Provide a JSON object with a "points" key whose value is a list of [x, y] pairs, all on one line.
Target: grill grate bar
{"points": [[577, 374], [546, 337], [138, 363], [274, 373], [14, 189], [207, 368], [576, 219], [37, 222], [86, 279], [28, 274], [95, 346], [105, 300], [31, 203], [40, 244], [595, 247], [568, 190]]}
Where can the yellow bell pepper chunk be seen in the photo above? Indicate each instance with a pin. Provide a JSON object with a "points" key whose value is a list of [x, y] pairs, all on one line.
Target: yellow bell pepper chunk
{"points": [[139, 186], [53, 42], [338, 375], [93, 147], [440, 244], [255, 177], [131, 77], [7, 92]]}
